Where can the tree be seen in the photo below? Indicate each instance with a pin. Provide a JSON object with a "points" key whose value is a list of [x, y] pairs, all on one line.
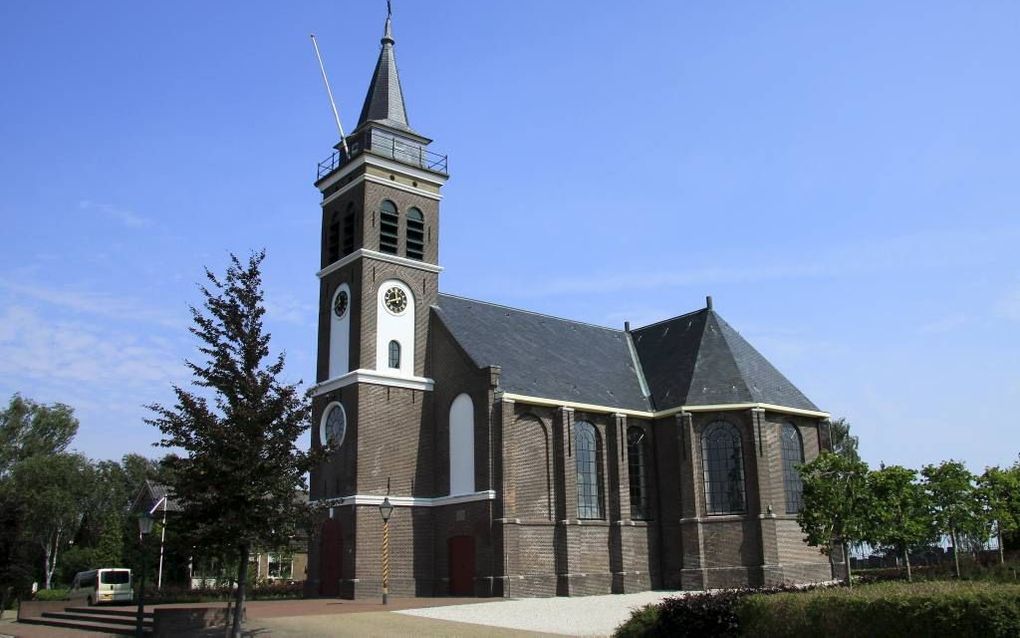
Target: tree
{"points": [[835, 504], [954, 503], [843, 443], [999, 490], [29, 429], [54, 489], [237, 483], [899, 516], [15, 557]]}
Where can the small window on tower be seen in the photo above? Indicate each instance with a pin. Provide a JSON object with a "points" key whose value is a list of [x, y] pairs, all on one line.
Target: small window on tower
{"points": [[333, 239], [389, 224], [415, 234], [395, 354]]}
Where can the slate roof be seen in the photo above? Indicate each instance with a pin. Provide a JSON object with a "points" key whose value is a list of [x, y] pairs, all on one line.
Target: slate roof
{"points": [[694, 359], [544, 356], [699, 359], [150, 494], [384, 102]]}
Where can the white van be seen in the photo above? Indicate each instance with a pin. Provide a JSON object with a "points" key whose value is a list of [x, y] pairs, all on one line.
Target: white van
{"points": [[107, 585]]}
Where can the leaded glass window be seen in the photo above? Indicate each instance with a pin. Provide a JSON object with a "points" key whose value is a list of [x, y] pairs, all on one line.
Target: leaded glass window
{"points": [[793, 455], [724, 468], [637, 470], [394, 354], [586, 453]]}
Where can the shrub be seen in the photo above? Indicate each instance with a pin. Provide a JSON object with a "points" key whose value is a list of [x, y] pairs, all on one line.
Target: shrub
{"points": [[886, 609], [51, 594]]}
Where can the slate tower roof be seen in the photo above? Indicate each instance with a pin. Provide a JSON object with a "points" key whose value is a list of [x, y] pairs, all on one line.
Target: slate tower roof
{"points": [[384, 102], [690, 360]]}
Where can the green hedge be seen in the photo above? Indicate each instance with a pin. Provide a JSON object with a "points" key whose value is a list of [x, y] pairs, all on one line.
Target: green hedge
{"points": [[959, 609], [51, 594]]}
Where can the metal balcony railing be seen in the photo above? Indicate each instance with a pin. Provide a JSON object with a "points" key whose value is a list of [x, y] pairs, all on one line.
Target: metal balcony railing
{"points": [[389, 147]]}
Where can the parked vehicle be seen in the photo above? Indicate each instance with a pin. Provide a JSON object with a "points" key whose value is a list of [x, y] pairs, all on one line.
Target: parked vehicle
{"points": [[107, 585]]}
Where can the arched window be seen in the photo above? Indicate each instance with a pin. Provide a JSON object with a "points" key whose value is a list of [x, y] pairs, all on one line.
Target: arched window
{"points": [[637, 470], [586, 453], [415, 234], [348, 246], [389, 225], [394, 354], [793, 455], [333, 239], [462, 445], [724, 468]]}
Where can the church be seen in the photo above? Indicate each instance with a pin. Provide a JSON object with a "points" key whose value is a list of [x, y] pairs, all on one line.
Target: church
{"points": [[522, 454]]}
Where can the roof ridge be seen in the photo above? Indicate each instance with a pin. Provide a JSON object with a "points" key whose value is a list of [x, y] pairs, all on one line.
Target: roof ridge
{"points": [[530, 312], [662, 321]]}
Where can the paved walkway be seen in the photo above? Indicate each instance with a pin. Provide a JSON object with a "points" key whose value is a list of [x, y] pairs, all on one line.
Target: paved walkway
{"points": [[411, 617]]}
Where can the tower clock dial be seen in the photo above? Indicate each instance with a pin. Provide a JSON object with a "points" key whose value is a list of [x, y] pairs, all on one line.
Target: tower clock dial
{"points": [[396, 300], [334, 426], [340, 304]]}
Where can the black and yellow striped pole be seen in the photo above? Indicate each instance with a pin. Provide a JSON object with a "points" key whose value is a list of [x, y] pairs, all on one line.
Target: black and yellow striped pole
{"points": [[385, 508]]}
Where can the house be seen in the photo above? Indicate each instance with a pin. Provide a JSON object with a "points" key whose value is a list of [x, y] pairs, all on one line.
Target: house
{"points": [[524, 454]]}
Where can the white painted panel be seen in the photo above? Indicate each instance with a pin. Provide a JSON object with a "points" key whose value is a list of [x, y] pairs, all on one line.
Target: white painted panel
{"points": [[397, 327], [340, 335], [462, 445]]}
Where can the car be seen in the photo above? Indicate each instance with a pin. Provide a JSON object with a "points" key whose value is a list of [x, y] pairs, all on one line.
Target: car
{"points": [[105, 585]]}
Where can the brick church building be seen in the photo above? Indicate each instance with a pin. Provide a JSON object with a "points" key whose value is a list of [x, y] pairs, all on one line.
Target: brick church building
{"points": [[523, 454]]}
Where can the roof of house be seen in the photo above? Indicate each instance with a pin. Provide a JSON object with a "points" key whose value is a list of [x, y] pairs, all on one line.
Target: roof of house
{"points": [[150, 495], [693, 359], [545, 356]]}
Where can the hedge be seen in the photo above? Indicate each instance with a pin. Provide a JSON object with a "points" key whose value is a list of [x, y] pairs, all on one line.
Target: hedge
{"points": [[959, 609]]}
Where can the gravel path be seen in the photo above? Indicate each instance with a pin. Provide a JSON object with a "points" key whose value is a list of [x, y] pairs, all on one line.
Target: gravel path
{"points": [[576, 616]]}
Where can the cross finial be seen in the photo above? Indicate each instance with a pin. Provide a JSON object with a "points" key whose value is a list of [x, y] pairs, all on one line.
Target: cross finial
{"points": [[388, 31], [389, 9]]}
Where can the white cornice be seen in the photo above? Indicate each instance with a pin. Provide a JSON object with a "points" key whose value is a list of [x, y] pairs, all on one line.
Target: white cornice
{"points": [[372, 254], [645, 414], [373, 377], [407, 501], [399, 167], [375, 179]]}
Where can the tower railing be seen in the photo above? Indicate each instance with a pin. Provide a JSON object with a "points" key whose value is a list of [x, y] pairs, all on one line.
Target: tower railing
{"points": [[389, 147]]}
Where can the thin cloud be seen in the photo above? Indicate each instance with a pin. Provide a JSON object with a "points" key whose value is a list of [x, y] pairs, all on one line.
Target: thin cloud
{"points": [[126, 217], [1009, 305], [943, 325], [93, 303]]}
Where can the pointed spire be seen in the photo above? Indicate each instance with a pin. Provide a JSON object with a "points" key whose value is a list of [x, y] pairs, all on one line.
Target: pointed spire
{"points": [[385, 100]]}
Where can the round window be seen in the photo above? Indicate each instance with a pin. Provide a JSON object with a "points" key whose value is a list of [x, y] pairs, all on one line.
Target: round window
{"points": [[333, 426]]}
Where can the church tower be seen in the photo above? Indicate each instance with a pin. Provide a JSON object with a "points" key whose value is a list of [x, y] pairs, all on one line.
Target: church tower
{"points": [[378, 279]]}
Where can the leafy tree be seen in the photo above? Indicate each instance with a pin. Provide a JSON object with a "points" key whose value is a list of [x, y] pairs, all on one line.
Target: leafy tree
{"points": [[899, 516], [954, 503], [15, 556], [54, 489], [835, 504], [1000, 493], [843, 443], [238, 480], [29, 429]]}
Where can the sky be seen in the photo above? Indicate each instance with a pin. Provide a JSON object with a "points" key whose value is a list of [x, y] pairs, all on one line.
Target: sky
{"points": [[841, 177]]}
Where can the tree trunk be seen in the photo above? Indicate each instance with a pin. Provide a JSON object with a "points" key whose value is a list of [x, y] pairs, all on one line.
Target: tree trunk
{"points": [[906, 559], [846, 565], [998, 532], [956, 551], [242, 581]]}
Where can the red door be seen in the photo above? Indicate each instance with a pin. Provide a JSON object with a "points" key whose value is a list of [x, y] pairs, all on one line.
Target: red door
{"points": [[331, 553], [462, 566]]}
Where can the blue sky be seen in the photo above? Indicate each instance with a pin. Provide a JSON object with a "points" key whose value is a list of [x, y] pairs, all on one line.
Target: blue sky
{"points": [[841, 177]]}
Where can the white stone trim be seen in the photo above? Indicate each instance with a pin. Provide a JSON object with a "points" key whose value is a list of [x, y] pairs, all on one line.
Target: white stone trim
{"points": [[373, 377], [372, 254], [644, 414], [388, 164], [408, 501], [375, 179]]}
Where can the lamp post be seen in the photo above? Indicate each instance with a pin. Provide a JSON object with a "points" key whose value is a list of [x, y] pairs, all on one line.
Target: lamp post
{"points": [[385, 509], [144, 527]]}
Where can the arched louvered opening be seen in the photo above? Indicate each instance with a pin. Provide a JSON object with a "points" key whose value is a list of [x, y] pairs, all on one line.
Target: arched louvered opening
{"points": [[389, 227], [415, 234]]}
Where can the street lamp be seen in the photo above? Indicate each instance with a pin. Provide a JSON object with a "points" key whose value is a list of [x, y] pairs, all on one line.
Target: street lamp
{"points": [[385, 509], [144, 527]]}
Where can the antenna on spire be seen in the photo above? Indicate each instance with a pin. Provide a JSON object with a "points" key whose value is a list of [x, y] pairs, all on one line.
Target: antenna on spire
{"points": [[332, 103]]}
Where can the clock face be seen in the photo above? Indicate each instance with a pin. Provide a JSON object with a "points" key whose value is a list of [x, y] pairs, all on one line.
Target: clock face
{"points": [[396, 300], [335, 425], [340, 304]]}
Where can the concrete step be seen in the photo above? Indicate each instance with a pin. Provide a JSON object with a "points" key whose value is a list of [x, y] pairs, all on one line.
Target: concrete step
{"points": [[109, 619], [121, 630], [106, 611]]}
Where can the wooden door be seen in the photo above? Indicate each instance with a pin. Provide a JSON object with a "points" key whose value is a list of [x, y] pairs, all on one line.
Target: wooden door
{"points": [[331, 554], [462, 565]]}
